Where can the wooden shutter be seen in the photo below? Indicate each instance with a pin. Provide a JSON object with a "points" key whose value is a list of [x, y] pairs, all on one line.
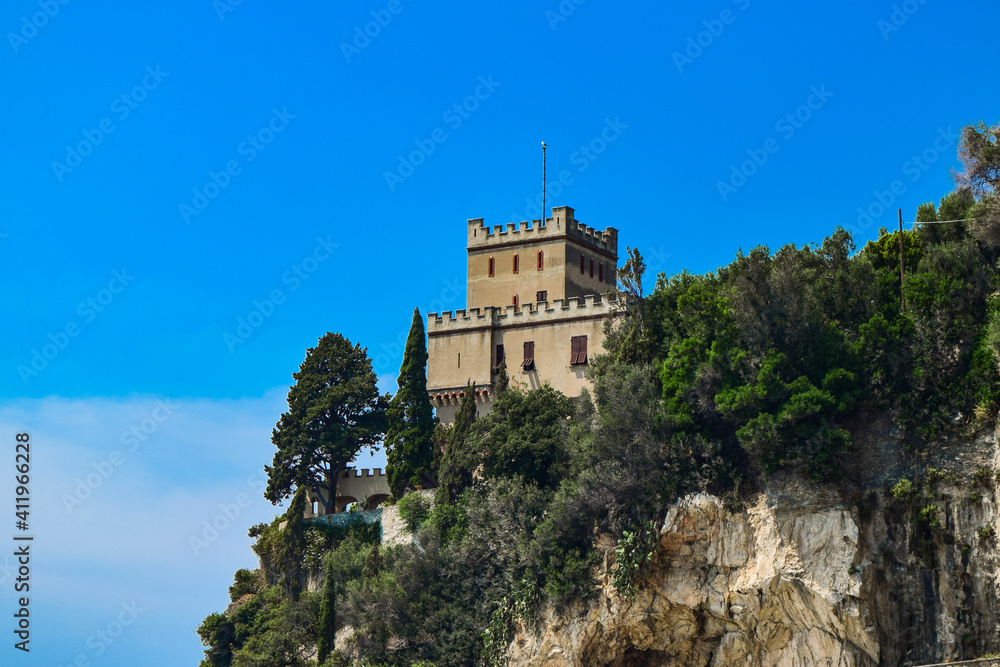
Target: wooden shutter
{"points": [[499, 358], [529, 356], [578, 350]]}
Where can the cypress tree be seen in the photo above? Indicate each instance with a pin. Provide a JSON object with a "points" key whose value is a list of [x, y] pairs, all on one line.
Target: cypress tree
{"points": [[503, 379], [457, 463], [409, 440], [464, 418], [327, 615], [291, 552]]}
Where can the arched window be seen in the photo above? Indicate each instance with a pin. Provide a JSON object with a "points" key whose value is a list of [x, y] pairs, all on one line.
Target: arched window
{"points": [[516, 263], [541, 260], [583, 263], [492, 267]]}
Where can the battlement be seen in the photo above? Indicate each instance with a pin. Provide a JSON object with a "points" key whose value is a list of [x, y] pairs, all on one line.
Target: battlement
{"points": [[526, 314], [350, 472], [562, 223]]}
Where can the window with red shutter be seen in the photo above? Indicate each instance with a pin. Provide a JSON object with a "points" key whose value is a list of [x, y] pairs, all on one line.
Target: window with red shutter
{"points": [[492, 267], [515, 301], [578, 350], [529, 356], [516, 264], [541, 260]]}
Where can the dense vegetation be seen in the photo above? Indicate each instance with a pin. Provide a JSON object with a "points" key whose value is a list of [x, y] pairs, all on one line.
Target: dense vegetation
{"points": [[714, 381]]}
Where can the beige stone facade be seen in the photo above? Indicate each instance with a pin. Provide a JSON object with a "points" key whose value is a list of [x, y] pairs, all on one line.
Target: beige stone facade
{"points": [[534, 296]]}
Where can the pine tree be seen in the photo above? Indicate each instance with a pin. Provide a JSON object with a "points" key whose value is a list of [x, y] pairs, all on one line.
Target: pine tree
{"points": [[458, 463], [409, 440], [334, 411]]}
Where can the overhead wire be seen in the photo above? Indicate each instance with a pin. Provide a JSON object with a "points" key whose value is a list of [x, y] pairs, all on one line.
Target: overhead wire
{"points": [[936, 222]]}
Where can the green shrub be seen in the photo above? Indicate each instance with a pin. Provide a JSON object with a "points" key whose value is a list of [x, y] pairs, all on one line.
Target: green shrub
{"points": [[414, 510], [986, 533], [903, 490], [635, 548], [497, 636], [929, 516], [732, 503], [336, 659], [246, 582], [449, 521]]}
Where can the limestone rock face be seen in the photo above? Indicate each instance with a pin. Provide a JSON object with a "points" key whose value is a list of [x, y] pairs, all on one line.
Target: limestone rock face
{"points": [[798, 580], [772, 587]]}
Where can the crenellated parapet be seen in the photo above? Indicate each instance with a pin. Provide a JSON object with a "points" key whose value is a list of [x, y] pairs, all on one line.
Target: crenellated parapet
{"points": [[557, 311], [350, 472], [561, 225]]}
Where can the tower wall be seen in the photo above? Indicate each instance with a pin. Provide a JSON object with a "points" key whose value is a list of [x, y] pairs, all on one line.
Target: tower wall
{"points": [[562, 240], [476, 333]]}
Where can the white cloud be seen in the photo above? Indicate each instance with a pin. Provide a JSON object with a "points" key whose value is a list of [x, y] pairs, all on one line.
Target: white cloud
{"points": [[134, 505]]}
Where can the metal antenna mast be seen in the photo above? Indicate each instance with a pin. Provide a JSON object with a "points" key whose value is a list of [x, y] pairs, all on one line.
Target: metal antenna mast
{"points": [[543, 183]]}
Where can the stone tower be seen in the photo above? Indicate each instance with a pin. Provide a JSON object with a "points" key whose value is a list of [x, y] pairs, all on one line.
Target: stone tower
{"points": [[534, 296]]}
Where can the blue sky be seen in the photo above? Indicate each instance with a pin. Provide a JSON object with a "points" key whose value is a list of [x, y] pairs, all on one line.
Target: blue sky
{"points": [[169, 171]]}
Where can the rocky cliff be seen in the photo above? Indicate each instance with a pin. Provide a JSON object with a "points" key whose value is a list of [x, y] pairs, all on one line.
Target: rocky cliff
{"points": [[808, 575]]}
